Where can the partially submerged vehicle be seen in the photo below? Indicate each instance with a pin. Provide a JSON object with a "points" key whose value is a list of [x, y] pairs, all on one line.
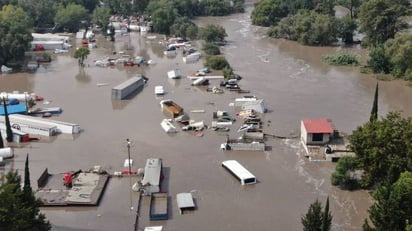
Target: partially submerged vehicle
{"points": [[222, 119], [195, 126], [170, 108], [221, 129], [167, 126]]}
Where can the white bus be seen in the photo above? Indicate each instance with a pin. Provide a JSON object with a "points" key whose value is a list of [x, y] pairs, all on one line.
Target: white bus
{"points": [[240, 172]]}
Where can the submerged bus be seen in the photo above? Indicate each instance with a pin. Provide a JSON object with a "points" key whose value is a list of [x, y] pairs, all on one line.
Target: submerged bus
{"points": [[240, 172]]}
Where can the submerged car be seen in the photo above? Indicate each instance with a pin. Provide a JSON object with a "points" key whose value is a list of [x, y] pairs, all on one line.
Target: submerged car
{"points": [[221, 129], [191, 128]]}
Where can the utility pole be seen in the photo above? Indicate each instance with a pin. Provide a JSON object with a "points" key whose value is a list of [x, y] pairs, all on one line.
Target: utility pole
{"points": [[128, 152]]}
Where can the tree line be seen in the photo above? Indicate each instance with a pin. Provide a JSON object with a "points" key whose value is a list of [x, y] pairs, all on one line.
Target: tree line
{"points": [[383, 23], [18, 19]]}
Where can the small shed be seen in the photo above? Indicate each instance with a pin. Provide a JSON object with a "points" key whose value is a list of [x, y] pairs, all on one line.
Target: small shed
{"points": [[256, 105], [185, 202], [316, 131]]}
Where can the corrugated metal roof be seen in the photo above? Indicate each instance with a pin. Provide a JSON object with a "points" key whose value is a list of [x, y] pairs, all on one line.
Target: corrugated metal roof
{"points": [[185, 200], [317, 126]]}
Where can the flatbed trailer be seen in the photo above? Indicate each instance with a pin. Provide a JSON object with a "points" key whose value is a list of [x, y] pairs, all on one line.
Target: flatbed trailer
{"points": [[159, 206]]}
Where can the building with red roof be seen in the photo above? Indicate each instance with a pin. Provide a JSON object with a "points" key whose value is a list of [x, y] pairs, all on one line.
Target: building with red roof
{"points": [[316, 131]]}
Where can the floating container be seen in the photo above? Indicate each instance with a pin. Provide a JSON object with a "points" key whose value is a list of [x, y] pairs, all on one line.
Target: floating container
{"points": [[128, 87]]}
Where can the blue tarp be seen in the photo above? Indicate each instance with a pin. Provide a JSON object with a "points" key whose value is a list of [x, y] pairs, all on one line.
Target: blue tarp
{"points": [[14, 109]]}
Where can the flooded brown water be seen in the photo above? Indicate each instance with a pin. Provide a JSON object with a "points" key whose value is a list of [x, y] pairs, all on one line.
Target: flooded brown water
{"points": [[291, 78]]}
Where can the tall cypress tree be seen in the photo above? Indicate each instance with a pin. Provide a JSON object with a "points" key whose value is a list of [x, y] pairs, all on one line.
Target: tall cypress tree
{"points": [[326, 217], [27, 187], [1, 141], [374, 112], [9, 133]]}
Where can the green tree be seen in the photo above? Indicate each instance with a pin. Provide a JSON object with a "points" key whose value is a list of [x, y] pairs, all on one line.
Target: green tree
{"points": [[268, 12], [192, 31], [27, 191], [380, 20], [378, 61], [326, 217], [16, 211], [41, 12], [212, 33], [308, 28], [374, 112], [399, 50], [228, 73], [90, 5], [163, 19], [184, 8], [383, 148], [183, 27], [71, 16], [100, 17], [294, 6], [81, 54], [238, 6], [347, 27], [315, 219], [9, 132], [393, 205], [120, 7], [15, 30], [312, 221], [217, 62], [211, 49], [343, 175], [216, 7], [140, 6], [325, 7]]}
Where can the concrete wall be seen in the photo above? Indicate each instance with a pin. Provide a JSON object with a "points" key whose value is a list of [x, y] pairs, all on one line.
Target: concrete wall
{"points": [[303, 133]]}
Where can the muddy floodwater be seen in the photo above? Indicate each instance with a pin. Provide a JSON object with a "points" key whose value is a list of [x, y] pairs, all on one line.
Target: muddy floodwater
{"points": [[292, 80]]}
